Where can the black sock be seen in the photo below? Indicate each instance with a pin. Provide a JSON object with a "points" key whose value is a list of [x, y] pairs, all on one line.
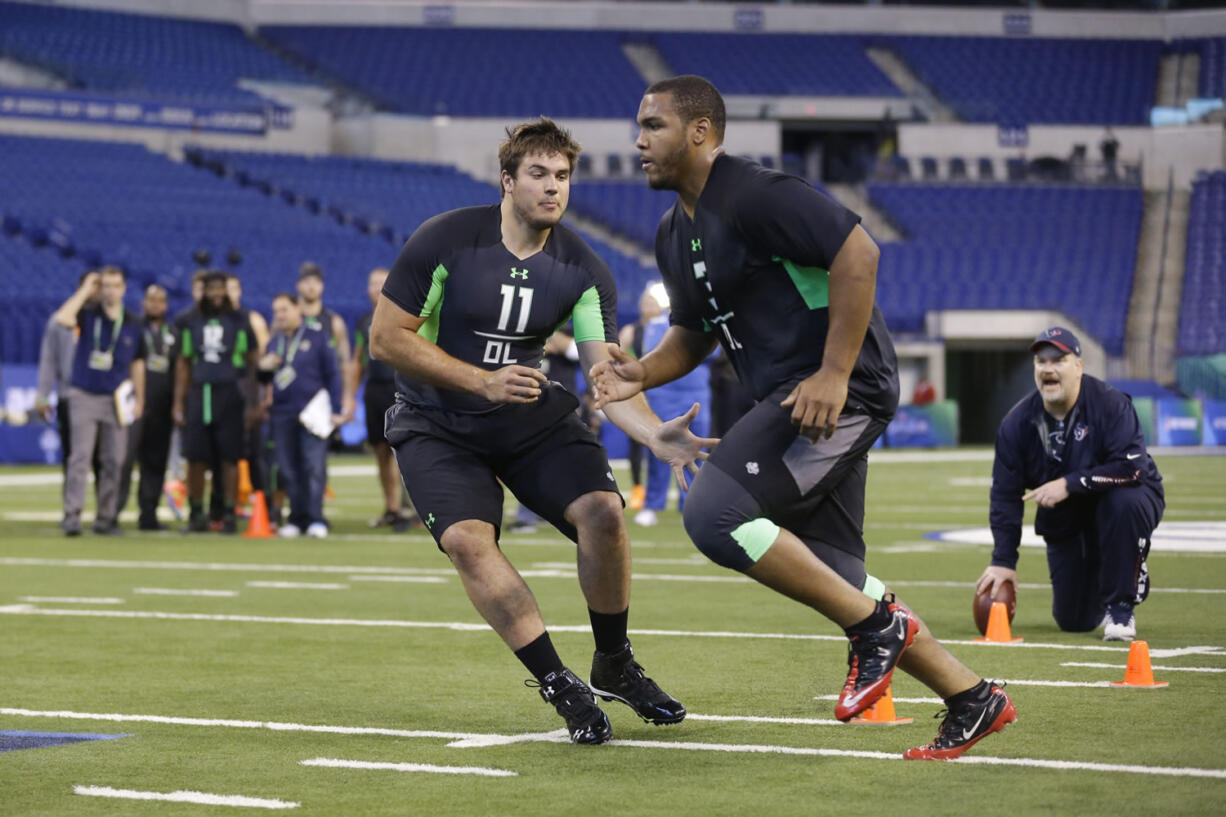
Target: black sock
{"points": [[877, 620], [975, 695], [609, 630], [197, 507], [540, 657]]}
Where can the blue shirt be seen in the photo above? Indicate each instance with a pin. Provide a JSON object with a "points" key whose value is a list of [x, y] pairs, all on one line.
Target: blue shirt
{"points": [[308, 352], [100, 336]]}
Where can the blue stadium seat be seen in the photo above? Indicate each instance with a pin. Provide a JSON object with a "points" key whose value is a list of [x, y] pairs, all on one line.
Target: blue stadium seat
{"points": [[188, 61], [1057, 247], [1037, 80], [1202, 317]]}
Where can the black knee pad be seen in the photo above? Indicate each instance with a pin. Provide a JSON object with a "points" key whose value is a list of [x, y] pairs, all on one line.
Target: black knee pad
{"points": [[716, 508]]}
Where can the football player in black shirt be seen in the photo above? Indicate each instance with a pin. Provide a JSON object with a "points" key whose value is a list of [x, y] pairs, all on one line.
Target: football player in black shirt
{"points": [[784, 278], [463, 318]]}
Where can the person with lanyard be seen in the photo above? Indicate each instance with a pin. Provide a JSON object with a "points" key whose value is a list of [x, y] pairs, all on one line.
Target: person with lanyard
{"points": [[216, 362], [300, 363], [149, 437], [378, 396], [110, 352]]}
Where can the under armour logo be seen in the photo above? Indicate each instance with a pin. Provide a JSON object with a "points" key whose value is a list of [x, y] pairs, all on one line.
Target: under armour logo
{"points": [[429, 520], [696, 244], [752, 468], [519, 273]]}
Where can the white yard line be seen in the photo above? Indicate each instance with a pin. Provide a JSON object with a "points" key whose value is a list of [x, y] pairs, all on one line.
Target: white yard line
{"points": [[298, 585], [172, 591], [336, 763], [198, 797], [1125, 666], [461, 740], [68, 600], [274, 726], [464, 626], [564, 570]]}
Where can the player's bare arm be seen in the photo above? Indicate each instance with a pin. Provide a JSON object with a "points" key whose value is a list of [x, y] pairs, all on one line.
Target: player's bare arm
{"points": [[817, 401], [90, 287], [671, 442], [394, 340], [136, 371], [183, 379], [619, 376]]}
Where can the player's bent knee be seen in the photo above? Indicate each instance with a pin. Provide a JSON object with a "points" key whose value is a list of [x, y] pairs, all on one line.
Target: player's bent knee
{"points": [[734, 544], [467, 543], [599, 513]]}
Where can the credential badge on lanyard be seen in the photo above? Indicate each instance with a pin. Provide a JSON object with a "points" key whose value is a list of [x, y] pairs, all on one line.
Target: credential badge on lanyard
{"points": [[99, 360]]}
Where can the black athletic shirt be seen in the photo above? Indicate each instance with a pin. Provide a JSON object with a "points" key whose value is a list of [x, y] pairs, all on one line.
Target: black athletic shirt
{"points": [[216, 345], [753, 267], [486, 307], [376, 370]]}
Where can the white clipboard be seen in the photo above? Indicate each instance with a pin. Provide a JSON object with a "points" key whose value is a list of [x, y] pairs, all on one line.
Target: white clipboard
{"points": [[316, 416], [125, 403]]}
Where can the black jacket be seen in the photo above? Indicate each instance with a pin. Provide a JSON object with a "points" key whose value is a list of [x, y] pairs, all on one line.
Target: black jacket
{"points": [[1104, 449]]}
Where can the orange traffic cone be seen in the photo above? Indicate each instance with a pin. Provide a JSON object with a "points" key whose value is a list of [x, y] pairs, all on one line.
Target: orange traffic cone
{"points": [[882, 712], [258, 527], [244, 482], [1139, 672], [998, 625]]}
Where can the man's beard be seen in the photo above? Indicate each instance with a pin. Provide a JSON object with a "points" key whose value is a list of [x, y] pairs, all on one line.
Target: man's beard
{"points": [[207, 308]]}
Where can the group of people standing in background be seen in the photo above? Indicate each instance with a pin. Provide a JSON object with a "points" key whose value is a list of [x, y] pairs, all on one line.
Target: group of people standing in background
{"points": [[236, 389]]}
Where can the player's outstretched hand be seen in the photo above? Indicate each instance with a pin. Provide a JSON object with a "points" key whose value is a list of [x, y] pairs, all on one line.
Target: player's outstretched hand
{"points": [[618, 378], [513, 384], [816, 402], [993, 577], [675, 444]]}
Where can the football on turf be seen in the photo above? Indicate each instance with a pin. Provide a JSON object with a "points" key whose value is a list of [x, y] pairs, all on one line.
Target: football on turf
{"points": [[983, 605]]}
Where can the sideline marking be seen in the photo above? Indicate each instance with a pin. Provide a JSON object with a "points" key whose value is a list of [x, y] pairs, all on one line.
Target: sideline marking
{"points": [[385, 573], [417, 579], [299, 585], [241, 724], [559, 736], [68, 600], [1125, 666], [185, 797], [463, 626], [337, 763], [170, 591]]}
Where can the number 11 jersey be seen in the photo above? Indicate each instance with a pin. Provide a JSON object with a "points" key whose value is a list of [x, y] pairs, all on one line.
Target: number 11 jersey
{"points": [[485, 306]]}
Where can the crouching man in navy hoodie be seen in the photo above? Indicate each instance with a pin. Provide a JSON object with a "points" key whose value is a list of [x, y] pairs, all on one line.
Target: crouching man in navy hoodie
{"points": [[299, 362], [1076, 448]]}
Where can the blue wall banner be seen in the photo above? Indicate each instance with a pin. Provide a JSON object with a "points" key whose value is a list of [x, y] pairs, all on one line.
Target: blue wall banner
{"points": [[67, 106], [1214, 423], [30, 440], [928, 426], [1178, 421]]}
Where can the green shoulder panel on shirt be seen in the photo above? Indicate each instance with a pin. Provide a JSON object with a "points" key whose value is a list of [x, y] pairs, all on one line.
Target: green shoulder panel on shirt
{"points": [[187, 351], [813, 283], [588, 317], [434, 305]]}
